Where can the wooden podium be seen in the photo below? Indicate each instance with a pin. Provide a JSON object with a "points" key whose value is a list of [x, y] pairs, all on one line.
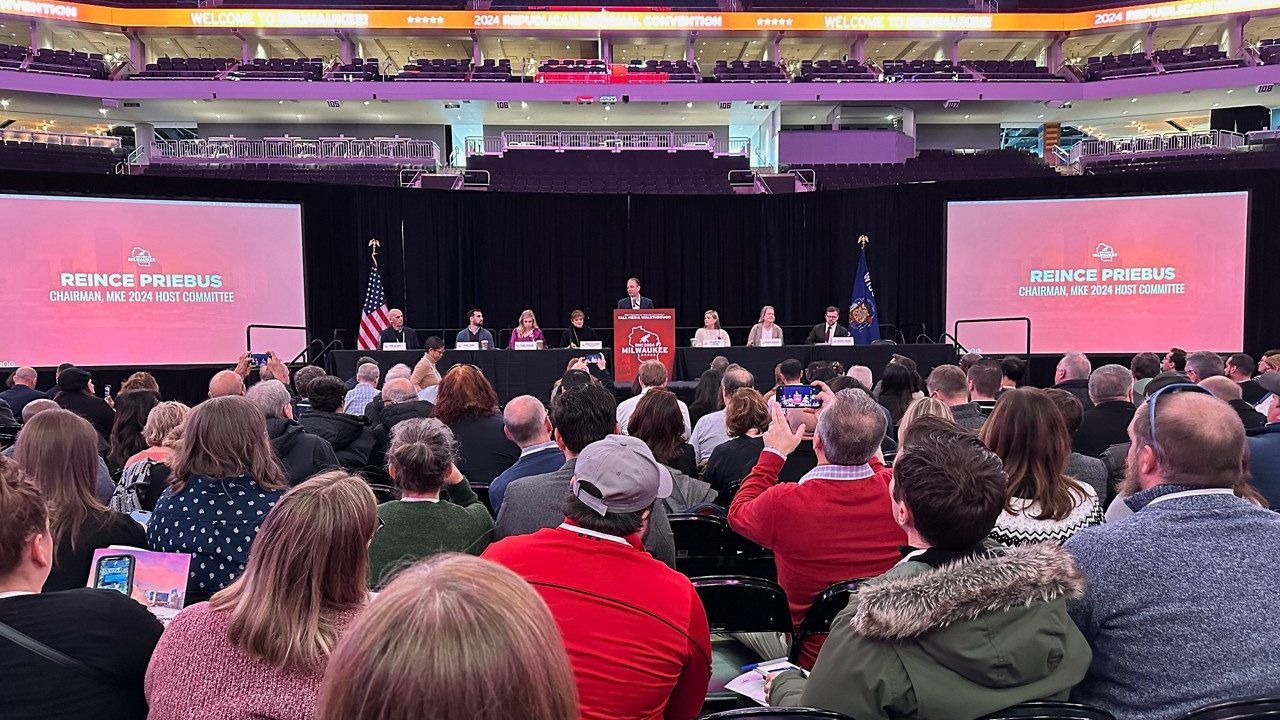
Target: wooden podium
{"points": [[640, 335]]}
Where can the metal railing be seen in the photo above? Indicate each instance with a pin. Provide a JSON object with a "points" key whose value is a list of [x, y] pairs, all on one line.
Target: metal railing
{"points": [[39, 137], [331, 149], [1195, 141], [607, 140]]}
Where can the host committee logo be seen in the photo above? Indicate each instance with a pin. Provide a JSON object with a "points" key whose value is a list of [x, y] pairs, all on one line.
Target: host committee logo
{"points": [[644, 342], [141, 257], [1105, 252]]}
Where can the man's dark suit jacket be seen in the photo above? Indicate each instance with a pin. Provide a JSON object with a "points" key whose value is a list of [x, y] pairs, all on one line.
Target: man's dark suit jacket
{"points": [[645, 303], [819, 333], [409, 337], [1102, 426]]}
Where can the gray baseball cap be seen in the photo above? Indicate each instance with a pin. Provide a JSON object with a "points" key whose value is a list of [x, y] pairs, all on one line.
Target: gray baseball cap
{"points": [[619, 475], [1270, 381]]}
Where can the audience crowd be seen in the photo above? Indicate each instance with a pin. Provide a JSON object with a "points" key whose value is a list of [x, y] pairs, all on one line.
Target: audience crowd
{"points": [[399, 545]]}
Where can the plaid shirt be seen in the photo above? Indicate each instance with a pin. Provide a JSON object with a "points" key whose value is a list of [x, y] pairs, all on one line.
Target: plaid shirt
{"points": [[357, 398]]}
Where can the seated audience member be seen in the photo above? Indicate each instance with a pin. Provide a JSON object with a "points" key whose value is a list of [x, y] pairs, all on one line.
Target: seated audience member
{"points": [[1203, 364], [746, 419], [58, 450], [526, 330], [350, 436], [830, 328], [111, 634], [301, 453], [140, 380], [707, 399], [225, 479], [52, 392], [437, 511], [926, 407], [302, 380], [1228, 391], [823, 371], [984, 380], [1174, 361], [258, 649], [399, 371], [396, 332], [791, 372], [656, 421], [226, 382], [448, 623], [469, 406], [1180, 601], [577, 332], [1105, 424], [1072, 375], [475, 331], [400, 403], [958, 629], [1269, 361], [132, 409], [862, 374], [525, 423], [651, 374], [6, 415], [835, 524], [367, 377], [103, 486], [425, 374], [628, 622], [362, 360], [579, 417], [75, 393], [1143, 367], [1264, 447], [765, 328], [23, 390], [1091, 471], [1013, 370], [1239, 367], [949, 384], [711, 430], [146, 473], [1027, 432], [710, 330], [895, 391]]}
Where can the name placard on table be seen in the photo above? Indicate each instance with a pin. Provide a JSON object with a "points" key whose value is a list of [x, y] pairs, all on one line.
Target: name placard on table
{"points": [[394, 346], [847, 340], [525, 345], [713, 342], [591, 345], [467, 346], [770, 342]]}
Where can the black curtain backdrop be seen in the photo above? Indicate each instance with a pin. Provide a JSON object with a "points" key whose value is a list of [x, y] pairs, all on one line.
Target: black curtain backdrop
{"points": [[446, 251]]}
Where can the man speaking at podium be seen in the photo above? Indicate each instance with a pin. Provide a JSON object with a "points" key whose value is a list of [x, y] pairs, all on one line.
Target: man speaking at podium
{"points": [[398, 333], [634, 300]]}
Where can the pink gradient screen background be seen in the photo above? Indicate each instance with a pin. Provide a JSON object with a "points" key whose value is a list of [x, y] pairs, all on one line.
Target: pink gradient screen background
{"points": [[993, 246], [256, 248]]}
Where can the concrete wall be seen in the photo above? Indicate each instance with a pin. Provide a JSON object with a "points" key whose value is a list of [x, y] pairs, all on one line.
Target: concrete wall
{"points": [[844, 146]]}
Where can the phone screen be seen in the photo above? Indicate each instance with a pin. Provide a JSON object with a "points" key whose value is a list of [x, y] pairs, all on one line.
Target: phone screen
{"points": [[594, 357], [798, 396], [115, 572], [258, 359]]}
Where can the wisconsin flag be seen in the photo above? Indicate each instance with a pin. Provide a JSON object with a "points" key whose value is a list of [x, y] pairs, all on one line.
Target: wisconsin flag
{"points": [[864, 321]]}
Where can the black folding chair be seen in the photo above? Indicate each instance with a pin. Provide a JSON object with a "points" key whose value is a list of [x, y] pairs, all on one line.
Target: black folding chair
{"points": [[8, 435], [744, 557], [1050, 710], [738, 604], [776, 713], [1258, 708], [822, 613], [701, 542]]}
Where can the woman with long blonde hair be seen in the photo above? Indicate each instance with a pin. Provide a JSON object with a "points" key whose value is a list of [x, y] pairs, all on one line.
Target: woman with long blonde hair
{"points": [[59, 451], [452, 638], [923, 407], [765, 329], [258, 649], [526, 330]]}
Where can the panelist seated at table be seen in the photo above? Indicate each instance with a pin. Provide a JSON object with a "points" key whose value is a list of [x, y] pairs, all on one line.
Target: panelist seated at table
{"points": [[823, 332], [398, 333], [710, 330], [634, 300], [766, 329], [527, 330], [475, 331], [578, 331]]}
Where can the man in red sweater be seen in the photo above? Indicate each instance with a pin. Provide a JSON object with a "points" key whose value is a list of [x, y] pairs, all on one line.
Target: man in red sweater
{"points": [[635, 630], [836, 523]]}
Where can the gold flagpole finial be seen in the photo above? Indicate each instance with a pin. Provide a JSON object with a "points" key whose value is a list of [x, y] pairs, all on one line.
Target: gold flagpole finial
{"points": [[373, 249], [863, 240]]}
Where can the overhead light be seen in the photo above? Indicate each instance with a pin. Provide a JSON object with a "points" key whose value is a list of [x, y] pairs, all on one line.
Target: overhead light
{"points": [[195, 102], [1040, 117], [217, 116], [689, 104], [528, 117], [366, 102], [1126, 112], [102, 111], [279, 102], [299, 116], [379, 117], [966, 117], [523, 105], [1133, 100], [886, 117], [813, 117], [4, 103], [1230, 91], [1215, 105], [682, 117]]}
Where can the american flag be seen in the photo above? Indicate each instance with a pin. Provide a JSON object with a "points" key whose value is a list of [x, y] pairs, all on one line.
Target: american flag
{"points": [[374, 320]]}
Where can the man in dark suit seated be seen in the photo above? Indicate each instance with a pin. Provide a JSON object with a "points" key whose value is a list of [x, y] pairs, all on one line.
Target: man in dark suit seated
{"points": [[23, 390], [1107, 422], [398, 332], [634, 300], [824, 331]]}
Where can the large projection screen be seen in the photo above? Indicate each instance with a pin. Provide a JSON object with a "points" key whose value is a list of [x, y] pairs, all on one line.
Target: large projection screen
{"points": [[118, 282], [1099, 275]]}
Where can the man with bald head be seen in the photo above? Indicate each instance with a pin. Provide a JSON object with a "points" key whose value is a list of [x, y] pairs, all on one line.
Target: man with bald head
{"points": [[226, 382], [399, 402], [1179, 604], [525, 423], [1228, 391], [1072, 375], [397, 332], [23, 390]]}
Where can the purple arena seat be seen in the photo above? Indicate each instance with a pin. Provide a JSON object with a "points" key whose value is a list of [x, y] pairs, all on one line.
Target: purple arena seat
{"points": [[637, 171], [1023, 70], [924, 71], [940, 165], [436, 69], [835, 71], [181, 68], [358, 70], [67, 62], [672, 70], [300, 69], [1201, 57], [58, 158], [749, 71], [386, 175], [1114, 66]]}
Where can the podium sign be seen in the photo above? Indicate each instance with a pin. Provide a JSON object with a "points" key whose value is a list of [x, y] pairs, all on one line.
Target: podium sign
{"points": [[640, 335]]}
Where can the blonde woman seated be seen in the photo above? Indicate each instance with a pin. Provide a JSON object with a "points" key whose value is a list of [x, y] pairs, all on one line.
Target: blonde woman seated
{"points": [[765, 329], [527, 330], [710, 330], [258, 649], [923, 407], [452, 638]]}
